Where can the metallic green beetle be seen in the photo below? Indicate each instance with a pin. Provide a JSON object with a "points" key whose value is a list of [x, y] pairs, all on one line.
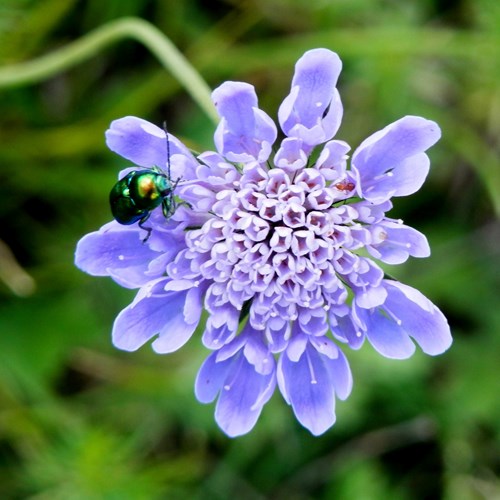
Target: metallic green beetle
{"points": [[134, 196], [140, 191]]}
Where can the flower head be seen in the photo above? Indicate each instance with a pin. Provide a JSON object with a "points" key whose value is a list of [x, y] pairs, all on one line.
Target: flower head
{"points": [[274, 247]]}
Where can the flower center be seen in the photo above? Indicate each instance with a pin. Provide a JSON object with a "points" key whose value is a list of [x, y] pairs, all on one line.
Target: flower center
{"points": [[275, 241]]}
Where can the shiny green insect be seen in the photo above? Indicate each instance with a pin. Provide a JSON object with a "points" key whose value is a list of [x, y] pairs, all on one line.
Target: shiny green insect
{"points": [[134, 196]]}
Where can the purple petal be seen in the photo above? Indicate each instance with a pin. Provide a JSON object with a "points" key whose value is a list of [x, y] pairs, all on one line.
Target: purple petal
{"points": [[245, 132], [365, 279], [340, 375], [369, 296], [230, 349], [336, 363], [168, 236], [119, 252], [242, 396], [291, 157], [210, 378], [257, 353], [332, 160], [324, 346], [153, 312], [308, 387], [392, 162], [313, 321], [393, 243], [297, 344], [215, 172], [345, 329], [244, 374], [313, 111], [221, 327], [385, 335], [142, 142], [277, 333], [408, 177], [406, 313], [419, 317]]}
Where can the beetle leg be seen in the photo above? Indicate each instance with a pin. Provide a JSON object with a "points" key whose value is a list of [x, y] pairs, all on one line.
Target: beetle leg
{"points": [[168, 206], [147, 229]]}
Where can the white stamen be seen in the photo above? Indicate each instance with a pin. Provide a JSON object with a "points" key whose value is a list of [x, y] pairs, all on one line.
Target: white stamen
{"points": [[121, 257], [227, 387], [358, 334]]}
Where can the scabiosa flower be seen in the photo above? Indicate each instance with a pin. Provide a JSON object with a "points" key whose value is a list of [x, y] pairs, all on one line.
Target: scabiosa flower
{"points": [[279, 243]]}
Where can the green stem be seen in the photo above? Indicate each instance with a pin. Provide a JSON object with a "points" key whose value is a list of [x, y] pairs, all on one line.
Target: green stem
{"points": [[89, 45]]}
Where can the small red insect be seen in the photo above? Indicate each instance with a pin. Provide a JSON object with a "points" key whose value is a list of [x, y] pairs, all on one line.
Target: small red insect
{"points": [[345, 186]]}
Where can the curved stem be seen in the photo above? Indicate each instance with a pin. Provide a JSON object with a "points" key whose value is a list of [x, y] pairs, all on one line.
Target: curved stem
{"points": [[89, 45]]}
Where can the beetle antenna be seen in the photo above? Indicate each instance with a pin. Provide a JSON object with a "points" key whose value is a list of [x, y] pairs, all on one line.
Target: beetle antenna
{"points": [[168, 147]]}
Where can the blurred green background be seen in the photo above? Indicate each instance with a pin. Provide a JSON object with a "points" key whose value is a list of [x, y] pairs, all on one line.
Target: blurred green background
{"points": [[82, 420]]}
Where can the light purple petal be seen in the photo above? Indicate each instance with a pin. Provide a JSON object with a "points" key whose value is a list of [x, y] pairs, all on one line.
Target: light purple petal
{"points": [[215, 172], [277, 333], [242, 397], [409, 176], [313, 110], [325, 346], [245, 132], [344, 329], [332, 160], [221, 327], [257, 353], [119, 252], [210, 378], [290, 157], [406, 313], [392, 162], [340, 375], [153, 312], [419, 317], [307, 385], [370, 213], [230, 349], [297, 344], [142, 142], [364, 278], [313, 321], [393, 243], [168, 236], [369, 296], [385, 335], [336, 363]]}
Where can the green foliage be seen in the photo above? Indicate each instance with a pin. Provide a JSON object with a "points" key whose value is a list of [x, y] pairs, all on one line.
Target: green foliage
{"points": [[80, 420]]}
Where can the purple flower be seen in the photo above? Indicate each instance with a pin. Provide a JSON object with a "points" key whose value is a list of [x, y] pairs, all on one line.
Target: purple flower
{"points": [[274, 247]]}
